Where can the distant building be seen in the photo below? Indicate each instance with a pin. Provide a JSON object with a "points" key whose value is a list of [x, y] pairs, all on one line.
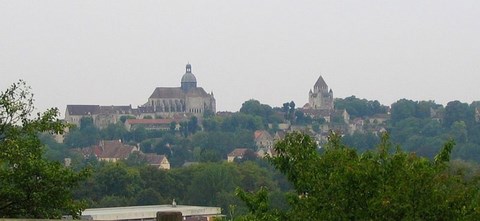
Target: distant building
{"points": [[151, 124], [102, 115], [108, 150], [378, 119], [320, 101], [115, 150], [149, 213], [320, 98], [237, 153], [165, 102], [188, 98], [158, 161], [262, 138]]}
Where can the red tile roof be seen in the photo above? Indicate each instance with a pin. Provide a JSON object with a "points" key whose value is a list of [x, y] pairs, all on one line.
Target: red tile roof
{"points": [[149, 121], [154, 159], [262, 133], [112, 149]]}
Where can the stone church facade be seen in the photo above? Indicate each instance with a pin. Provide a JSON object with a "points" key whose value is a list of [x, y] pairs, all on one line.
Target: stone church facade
{"points": [[178, 103], [188, 98]]}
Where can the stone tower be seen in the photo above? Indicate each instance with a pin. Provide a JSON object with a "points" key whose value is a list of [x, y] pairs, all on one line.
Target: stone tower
{"points": [[320, 98]]}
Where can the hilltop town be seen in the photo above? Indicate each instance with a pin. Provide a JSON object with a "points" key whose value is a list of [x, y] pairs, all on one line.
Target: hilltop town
{"points": [[178, 148], [188, 109]]}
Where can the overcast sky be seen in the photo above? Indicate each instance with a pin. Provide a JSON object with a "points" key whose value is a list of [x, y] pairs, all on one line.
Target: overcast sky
{"points": [[116, 52]]}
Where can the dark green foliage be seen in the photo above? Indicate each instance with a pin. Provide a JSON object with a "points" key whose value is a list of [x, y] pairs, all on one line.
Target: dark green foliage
{"points": [[288, 109], [125, 117], [54, 151], [31, 186], [222, 143], [242, 121], [361, 141], [209, 184], [210, 181], [458, 111], [255, 108], [302, 119], [421, 126], [115, 132], [258, 206], [404, 109], [339, 184], [86, 135], [149, 197], [357, 107]]}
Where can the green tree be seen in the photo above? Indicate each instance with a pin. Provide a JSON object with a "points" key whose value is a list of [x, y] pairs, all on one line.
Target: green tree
{"points": [[31, 186], [458, 111], [255, 108], [339, 184], [88, 134], [357, 107], [193, 126], [114, 132], [53, 150], [259, 206], [403, 109], [209, 182], [125, 117], [242, 121], [139, 134]]}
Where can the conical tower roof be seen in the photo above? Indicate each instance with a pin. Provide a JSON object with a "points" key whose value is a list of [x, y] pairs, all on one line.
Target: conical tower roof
{"points": [[320, 83]]}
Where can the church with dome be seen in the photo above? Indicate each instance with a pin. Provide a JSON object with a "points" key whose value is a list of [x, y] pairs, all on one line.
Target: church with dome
{"points": [[186, 99]]}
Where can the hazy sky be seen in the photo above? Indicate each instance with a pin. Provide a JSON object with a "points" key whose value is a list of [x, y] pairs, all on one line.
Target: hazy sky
{"points": [[116, 52]]}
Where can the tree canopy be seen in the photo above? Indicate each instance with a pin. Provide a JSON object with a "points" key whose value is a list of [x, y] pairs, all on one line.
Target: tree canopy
{"points": [[30, 186], [337, 183], [357, 107]]}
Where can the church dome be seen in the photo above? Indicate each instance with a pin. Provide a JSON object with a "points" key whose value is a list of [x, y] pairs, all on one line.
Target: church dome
{"points": [[188, 77]]}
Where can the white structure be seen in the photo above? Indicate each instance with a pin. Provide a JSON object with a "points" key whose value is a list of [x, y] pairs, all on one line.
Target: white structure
{"points": [[147, 213]]}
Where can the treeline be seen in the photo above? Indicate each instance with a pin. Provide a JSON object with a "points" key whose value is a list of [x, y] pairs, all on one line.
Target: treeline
{"points": [[423, 126], [362, 108], [302, 182], [418, 126], [339, 183], [131, 182]]}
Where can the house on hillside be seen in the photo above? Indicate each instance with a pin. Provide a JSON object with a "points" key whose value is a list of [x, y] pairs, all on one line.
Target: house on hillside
{"points": [[356, 125], [112, 150], [263, 138], [279, 135], [237, 153], [108, 150], [115, 150], [378, 119], [263, 152], [102, 115], [317, 113], [159, 161]]}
